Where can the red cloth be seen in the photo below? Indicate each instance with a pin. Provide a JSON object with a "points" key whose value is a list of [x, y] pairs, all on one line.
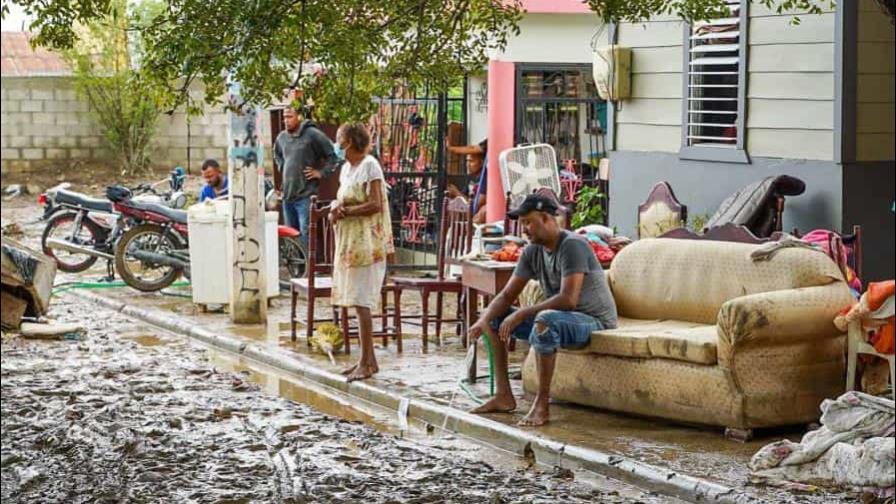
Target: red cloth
{"points": [[884, 339], [878, 292], [510, 252], [604, 254]]}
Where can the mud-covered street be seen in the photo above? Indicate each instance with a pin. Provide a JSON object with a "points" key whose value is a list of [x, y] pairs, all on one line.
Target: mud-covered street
{"points": [[115, 418]]}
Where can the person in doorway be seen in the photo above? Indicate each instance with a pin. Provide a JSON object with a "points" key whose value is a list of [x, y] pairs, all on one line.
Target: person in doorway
{"points": [[363, 230], [216, 183], [304, 156], [476, 166], [577, 301]]}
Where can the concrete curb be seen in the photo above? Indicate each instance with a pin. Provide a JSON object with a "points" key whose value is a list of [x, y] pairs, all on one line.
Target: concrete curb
{"points": [[546, 451]]}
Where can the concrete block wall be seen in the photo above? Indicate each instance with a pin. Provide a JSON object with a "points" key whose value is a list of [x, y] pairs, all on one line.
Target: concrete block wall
{"points": [[45, 124]]}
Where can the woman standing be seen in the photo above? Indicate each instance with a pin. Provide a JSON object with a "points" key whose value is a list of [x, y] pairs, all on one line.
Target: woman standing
{"points": [[363, 239]]}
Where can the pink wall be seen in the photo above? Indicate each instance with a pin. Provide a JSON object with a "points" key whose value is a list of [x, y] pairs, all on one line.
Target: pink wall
{"points": [[556, 6], [501, 76]]}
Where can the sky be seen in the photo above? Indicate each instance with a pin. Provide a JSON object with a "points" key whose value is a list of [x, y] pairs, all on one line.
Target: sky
{"points": [[16, 18]]}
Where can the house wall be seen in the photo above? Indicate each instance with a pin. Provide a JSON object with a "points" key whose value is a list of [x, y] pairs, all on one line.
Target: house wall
{"points": [[875, 84], [702, 186], [869, 178], [790, 87], [44, 123], [477, 108], [651, 119], [789, 121], [551, 38], [543, 38], [868, 194], [790, 91]]}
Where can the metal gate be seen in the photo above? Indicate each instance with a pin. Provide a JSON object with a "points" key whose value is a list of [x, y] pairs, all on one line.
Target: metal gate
{"points": [[409, 140], [557, 104]]}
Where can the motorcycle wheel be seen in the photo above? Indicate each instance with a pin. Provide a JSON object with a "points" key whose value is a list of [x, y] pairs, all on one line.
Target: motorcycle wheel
{"points": [[139, 275], [60, 226], [293, 259]]}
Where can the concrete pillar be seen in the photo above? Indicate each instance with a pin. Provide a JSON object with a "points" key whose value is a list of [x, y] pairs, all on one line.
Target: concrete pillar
{"points": [[501, 82], [248, 294]]}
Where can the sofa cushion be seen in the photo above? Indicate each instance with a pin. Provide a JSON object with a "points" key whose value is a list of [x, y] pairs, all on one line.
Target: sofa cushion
{"points": [[673, 279], [666, 339]]}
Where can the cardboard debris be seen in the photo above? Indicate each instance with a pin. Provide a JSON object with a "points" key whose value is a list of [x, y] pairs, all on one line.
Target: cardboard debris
{"points": [[27, 275], [12, 309], [31, 330]]}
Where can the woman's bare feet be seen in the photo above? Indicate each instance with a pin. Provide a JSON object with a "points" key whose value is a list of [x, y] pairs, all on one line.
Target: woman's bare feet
{"points": [[498, 404], [538, 415], [362, 372]]}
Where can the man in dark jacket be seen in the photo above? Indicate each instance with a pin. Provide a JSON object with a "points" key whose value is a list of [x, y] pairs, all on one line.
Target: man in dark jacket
{"points": [[304, 155]]}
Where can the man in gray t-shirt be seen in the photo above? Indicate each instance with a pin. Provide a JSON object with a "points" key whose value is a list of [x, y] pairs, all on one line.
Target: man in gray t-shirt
{"points": [[578, 302]]}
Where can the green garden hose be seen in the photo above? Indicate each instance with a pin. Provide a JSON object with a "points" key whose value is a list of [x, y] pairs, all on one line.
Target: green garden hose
{"points": [[60, 288], [465, 386]]}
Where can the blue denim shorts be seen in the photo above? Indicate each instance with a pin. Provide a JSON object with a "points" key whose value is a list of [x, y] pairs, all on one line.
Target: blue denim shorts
{"points": [[564, 329]]}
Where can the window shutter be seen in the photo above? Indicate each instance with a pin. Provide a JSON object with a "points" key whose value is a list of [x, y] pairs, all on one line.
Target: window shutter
{"points": [[713, 94]]}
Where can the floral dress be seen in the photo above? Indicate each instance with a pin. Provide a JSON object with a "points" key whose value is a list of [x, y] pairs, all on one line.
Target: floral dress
{"points": [[362, 242]]}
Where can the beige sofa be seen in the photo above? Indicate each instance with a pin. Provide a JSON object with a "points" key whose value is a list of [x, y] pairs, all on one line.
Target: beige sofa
{"points": [[708, 336]]}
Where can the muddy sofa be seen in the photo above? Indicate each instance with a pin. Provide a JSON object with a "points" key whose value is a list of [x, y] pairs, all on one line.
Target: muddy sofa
{"points": [[708, 336]]}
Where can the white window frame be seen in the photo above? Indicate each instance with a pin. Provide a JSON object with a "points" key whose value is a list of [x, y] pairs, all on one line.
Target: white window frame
{"points": [[733, 153]]}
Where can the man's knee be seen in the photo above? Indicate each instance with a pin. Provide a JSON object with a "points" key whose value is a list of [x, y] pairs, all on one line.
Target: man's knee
{"points": [[543, 338], [546, 318]]}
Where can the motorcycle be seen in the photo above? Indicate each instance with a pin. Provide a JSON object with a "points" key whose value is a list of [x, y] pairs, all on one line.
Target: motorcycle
{"points": [[293, 256], [81, 229], [153, 254]]}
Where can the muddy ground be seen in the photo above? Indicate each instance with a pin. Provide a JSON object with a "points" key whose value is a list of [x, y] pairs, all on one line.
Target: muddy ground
{"points": [[114, 419]]}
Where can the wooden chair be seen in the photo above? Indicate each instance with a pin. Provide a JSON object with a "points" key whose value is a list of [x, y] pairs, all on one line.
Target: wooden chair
{"points": [[661, 212], [318, 283], [853, 244], [455, 241]]}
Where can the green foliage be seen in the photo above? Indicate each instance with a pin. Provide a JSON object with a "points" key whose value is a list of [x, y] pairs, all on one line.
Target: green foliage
{"points": [[589, 209], [124, 103], [54, 21], [696, 223], [348, 51], [636, 11]]}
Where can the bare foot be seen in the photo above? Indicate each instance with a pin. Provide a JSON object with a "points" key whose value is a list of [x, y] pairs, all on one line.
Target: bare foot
{"points": [[347, 371], [497, 404], [362, 372], [538, 415]]}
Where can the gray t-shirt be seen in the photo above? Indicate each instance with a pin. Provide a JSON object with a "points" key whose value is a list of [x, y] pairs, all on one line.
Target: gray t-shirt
{"points": [[574, 255], [293, 152]]}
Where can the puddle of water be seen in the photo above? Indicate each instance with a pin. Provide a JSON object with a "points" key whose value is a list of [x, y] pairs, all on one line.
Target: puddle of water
{"points": [[147, 340], [301, 391], [269, 333]]}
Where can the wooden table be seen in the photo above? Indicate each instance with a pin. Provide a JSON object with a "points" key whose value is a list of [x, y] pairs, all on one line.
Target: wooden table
{"points": [[485, 278]]}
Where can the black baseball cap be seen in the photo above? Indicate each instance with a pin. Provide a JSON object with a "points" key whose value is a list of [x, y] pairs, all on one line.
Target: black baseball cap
{"points": [[534, 203]]}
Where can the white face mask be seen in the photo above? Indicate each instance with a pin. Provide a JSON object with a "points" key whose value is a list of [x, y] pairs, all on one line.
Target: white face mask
{"points": [[340, 153]]}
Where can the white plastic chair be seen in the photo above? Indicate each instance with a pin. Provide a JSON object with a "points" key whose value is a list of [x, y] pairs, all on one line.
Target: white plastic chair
{"points": [[857, 345]]}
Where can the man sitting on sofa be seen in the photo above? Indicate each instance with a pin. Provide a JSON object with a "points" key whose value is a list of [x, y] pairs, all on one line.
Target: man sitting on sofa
{"points": [[577, 301]]}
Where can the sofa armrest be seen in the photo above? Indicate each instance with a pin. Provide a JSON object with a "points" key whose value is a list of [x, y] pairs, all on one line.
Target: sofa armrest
{"points": [[781, 317]]}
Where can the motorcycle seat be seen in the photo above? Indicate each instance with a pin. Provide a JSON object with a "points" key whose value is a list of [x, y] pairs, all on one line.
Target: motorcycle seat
{"points": [[82, 200], [179, 216]]}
